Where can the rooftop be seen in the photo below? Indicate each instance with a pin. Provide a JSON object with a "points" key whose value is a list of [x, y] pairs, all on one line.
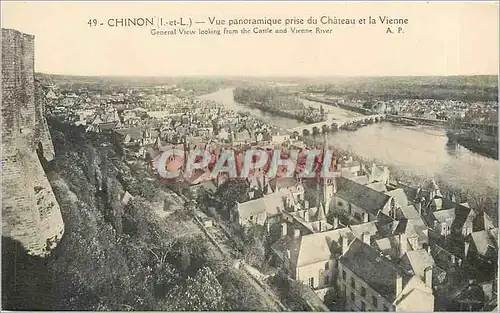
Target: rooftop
{"points": [[361, 196], [376, 270]]}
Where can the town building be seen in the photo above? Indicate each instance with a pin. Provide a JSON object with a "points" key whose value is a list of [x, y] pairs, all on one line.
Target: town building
{"points": [[369, 281]]}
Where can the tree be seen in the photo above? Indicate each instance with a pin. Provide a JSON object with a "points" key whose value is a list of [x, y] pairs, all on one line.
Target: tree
{"points": [[239, 294], [233, 191], [333, 300], [203, 292], [254, 250]]}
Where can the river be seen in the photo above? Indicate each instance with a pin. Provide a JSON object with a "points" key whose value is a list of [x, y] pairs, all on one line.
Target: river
{"points": [[417, 150]]}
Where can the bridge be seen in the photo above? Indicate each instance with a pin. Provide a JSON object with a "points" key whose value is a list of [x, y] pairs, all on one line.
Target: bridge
{"points": [[335, 124]]}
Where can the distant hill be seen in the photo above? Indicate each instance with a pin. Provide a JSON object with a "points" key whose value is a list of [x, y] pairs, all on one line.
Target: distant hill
{"points": [[466, 88]]}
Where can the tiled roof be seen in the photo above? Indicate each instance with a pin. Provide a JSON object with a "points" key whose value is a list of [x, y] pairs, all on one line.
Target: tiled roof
{"points": [[310, 248], [444, 215], [376, 270], [359, 229], [251, 208], [377, 186], [361, 196], [362, 180], [482, 240], [419, 260], [461, 213], [399, 195], [274, 203], [317, 247], [409, 212]]}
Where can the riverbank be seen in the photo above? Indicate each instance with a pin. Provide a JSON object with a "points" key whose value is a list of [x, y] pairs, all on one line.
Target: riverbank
{"points": [[351, 108], [422, 150], [486, 201], [293, 114], [484, 145]]}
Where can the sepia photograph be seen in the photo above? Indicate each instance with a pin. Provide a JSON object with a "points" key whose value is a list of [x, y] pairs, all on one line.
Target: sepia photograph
{"points": [[250, 156]]}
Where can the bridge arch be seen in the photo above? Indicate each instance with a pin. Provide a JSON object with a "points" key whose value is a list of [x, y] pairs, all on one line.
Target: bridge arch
{"points": [[305, 132], [325, 128], [316, 130]]}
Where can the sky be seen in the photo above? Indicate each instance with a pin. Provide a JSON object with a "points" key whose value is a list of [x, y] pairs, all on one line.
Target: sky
{"points": [[441, 38]]}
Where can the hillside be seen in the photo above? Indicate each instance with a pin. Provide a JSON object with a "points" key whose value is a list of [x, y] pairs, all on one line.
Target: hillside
{"points": [[117, 252]]}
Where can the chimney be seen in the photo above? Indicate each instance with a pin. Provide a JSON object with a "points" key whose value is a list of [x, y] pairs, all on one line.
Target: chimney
{"points": [[306, 216], [374, 168], [403, 244], [251, 194], [306, 204], [344, 243], [365, 217], [335, 222], [386, 175], [268, 225], [399, 285], [428, 277], [366, 238], [419, 207], [288, 253], [296, 233], [438, 203], [453, 260], [283, 229]]}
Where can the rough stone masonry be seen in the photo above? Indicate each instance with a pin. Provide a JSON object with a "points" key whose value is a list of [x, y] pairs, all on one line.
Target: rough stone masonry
{"points": [[30, 212]]}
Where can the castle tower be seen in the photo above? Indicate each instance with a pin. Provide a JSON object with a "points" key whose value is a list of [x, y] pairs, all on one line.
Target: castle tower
{"points": [[30, 212]]}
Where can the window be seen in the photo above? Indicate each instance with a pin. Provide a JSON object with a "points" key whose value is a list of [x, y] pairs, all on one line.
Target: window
{"points": [[311, 282], [363, 291], [386, 309], [353, 298], [326, 266], [375, 301], [327, 279], [363, 306], [344, 275], [251, 218], [353, 283]]}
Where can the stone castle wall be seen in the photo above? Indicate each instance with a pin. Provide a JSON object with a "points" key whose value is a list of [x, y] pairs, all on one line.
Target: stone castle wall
{"points": [[30, 212]]}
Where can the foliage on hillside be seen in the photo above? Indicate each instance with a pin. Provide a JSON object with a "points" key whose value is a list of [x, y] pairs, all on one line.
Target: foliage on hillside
{"points": [[121, 256], [291, 292]]}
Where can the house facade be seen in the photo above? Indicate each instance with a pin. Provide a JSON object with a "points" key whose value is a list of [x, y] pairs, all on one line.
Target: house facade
{"points": [[369, 281]]}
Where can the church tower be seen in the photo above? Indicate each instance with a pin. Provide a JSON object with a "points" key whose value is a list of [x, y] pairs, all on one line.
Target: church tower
{"points": [[328, 185]]}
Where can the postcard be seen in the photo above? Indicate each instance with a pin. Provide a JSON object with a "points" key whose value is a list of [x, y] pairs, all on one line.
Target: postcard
{"points": [[250, 156]]}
